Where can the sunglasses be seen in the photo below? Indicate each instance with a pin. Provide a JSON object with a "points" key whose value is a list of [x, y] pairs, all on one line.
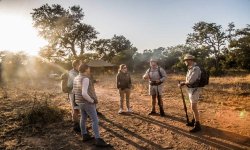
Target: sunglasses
{"points": [[124, 68]]}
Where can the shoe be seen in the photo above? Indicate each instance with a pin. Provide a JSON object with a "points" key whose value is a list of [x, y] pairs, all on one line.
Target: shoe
{"points": [[99, 113], [101, 143], [120, 111], [162, 114], [86, 137], [129, 111], [77, 128], [197, 127], [152, 113], [191, 124]]}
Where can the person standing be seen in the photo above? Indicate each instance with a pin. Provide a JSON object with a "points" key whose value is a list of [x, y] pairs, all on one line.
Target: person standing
{"points": [[86, 99], [156, 76], [192, 79], [74, 108], [123, 82]]}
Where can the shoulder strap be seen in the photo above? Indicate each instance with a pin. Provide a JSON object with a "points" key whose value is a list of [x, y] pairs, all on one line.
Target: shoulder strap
{"points": [[159, 71]]}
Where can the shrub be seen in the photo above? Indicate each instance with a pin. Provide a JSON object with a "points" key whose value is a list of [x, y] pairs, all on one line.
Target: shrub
{"points": [[42, 114]]}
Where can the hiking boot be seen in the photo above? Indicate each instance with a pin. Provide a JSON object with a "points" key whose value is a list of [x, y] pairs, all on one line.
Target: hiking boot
{"points": [[77, 128], [101, 143], [99, 113], [120, 111], [129, 111], [152, 113], [191, 124], [162, 114], [86, 137], [197, 127]]}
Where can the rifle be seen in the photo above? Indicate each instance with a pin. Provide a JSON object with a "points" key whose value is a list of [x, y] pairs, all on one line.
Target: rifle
{"points": [[184, 103]]}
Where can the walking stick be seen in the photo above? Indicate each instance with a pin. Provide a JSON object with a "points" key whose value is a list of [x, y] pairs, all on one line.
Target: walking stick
{"points": [[184, 104]]}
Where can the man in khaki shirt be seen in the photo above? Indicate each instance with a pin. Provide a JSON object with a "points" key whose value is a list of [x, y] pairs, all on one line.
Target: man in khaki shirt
{"points": [[156, 76], [192, 81]]}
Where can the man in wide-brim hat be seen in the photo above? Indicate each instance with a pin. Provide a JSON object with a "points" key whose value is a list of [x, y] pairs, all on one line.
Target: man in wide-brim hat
{"points": [[156, 76], [193, 75]]}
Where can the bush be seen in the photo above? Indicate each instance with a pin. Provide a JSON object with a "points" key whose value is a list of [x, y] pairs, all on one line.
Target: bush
{"points": [[42, 114]]}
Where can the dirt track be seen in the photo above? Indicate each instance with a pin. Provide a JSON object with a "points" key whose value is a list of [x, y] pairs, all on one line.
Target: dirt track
{"points": [[223, 127]]}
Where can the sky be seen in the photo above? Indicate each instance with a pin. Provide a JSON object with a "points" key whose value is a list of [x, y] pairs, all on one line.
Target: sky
{"points": [[148, 24]]}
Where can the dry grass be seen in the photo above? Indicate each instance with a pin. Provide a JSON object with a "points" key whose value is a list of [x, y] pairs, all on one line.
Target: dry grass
{"points": [[227, 94]]}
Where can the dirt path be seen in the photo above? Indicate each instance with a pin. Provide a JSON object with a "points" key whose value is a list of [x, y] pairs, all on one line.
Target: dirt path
{"points": [[223, 126]]}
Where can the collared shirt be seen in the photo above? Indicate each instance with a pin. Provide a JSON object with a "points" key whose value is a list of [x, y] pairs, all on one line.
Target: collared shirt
{"points": [[193, 74], [153, 74]]}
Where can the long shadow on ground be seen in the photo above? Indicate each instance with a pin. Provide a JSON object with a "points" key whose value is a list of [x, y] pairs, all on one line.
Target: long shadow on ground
{"points": [[209, 136]]}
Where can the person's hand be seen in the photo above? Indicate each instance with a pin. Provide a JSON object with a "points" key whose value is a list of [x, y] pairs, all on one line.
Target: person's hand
{"points": [[145, 77], [181, 84], [158, 81]]}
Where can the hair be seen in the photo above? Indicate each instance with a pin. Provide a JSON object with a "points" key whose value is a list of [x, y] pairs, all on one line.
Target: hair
{"points": [[75, 63], [120, 67], [83, 67]]}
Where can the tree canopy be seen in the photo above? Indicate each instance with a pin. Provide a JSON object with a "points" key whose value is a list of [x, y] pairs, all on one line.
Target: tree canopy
{"points": [[64, 29]]}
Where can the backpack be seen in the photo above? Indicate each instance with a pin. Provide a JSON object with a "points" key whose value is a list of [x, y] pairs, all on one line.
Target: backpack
{"points": [[64, 83], [204, 79]]}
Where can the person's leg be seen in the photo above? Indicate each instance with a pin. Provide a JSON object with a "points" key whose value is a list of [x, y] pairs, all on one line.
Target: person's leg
{"points": [[159, 98], [91, 111], [83, 119], [160, 103], [74, 114], [194, 96], [127, 100], [122, 93]]}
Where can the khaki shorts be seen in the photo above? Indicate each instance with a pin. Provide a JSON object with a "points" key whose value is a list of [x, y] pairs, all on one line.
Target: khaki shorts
{"points": [[193, 94], [153, 89]]}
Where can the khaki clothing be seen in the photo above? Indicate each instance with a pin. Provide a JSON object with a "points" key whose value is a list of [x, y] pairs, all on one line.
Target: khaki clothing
{"points": [[154, 75], [123, 82], [125, 92], [193, 74], [193, 94]]}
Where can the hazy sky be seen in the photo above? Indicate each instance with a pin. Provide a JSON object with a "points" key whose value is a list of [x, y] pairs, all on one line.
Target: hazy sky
{"points": [[148, 24]]}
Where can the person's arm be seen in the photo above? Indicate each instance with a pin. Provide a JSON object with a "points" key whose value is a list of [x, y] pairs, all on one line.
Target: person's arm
{"points": [[130, 82], [164, 75], [118, 80], [85, 86], [146, 76]]}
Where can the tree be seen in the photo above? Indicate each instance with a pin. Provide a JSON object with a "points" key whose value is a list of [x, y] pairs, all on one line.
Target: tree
{"points": [[108, 48], [64, 30], [125, 57], [208, 37], [241, 48]]}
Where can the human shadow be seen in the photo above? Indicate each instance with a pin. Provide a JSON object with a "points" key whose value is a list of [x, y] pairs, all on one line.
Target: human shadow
{"points": [[156, 146], [209, 136]]}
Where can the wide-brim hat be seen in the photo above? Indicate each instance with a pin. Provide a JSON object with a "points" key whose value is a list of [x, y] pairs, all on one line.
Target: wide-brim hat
{"points": [[189, 57], [153, 60]]}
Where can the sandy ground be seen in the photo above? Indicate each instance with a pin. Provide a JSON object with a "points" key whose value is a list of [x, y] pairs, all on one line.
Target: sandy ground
{"points": [[223, 126]]}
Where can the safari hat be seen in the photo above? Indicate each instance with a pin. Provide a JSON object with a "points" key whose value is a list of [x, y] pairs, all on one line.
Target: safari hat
{"points": [[189, 57], [153, 60]]}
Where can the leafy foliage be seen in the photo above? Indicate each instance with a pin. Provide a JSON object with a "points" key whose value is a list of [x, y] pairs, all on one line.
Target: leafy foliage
{"points": [[64, 30]]}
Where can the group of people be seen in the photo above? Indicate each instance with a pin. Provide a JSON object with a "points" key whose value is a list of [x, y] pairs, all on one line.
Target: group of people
{"points": [[83, 97]]}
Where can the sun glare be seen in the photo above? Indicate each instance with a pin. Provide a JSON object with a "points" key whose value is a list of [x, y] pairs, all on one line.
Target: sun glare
{"points": [[18, 34]]}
